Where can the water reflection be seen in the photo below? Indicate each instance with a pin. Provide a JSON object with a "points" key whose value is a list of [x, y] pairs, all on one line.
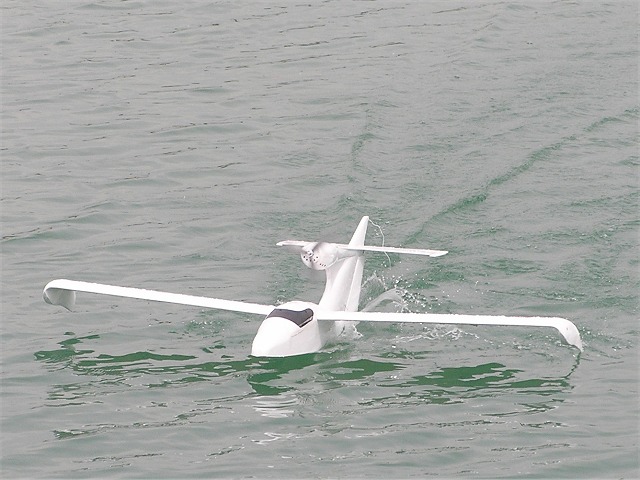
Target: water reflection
{"points": [[263, 374], [281, 405], [278, 388], [454, 384]]}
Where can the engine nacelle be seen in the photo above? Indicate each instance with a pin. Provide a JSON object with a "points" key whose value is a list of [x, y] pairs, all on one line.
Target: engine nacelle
{"points": [[320, 255]]}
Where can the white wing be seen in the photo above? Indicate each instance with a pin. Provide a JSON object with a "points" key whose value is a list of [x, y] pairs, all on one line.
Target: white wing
{"points": [[63, 292], [566, 328]]}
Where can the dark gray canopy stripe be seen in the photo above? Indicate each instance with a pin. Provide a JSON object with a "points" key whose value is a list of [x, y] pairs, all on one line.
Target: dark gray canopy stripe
{"points": [[299, 318]]}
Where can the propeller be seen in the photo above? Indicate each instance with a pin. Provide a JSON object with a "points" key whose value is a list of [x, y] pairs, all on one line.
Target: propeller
{"points": [[322, 255]]}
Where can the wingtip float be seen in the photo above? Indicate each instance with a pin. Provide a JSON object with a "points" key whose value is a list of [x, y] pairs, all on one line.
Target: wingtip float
{"points": [[297, 327]]}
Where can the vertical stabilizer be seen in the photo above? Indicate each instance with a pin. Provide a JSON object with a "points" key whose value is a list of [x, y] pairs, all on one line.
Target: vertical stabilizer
{"points": [[357, 240], [344, 278], [361, 232]]}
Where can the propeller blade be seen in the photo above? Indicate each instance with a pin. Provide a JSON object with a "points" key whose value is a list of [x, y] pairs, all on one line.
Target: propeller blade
{"points": [[292, 243]]}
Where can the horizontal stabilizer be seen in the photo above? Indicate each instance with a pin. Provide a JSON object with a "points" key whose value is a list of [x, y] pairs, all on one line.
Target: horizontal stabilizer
{"points": [[63, 292], [566, 328], [411, 251], [367, 248]]}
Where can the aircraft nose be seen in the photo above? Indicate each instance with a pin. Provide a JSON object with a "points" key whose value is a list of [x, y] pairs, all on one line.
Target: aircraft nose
{"points": [[274, 338], [290, 329]]}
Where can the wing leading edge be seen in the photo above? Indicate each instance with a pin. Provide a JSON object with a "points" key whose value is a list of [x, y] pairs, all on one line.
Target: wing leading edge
{"points": [[63, 292]]}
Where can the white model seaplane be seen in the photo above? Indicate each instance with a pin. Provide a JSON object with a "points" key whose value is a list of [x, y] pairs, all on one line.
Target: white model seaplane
{"points": [[298, 327]]}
